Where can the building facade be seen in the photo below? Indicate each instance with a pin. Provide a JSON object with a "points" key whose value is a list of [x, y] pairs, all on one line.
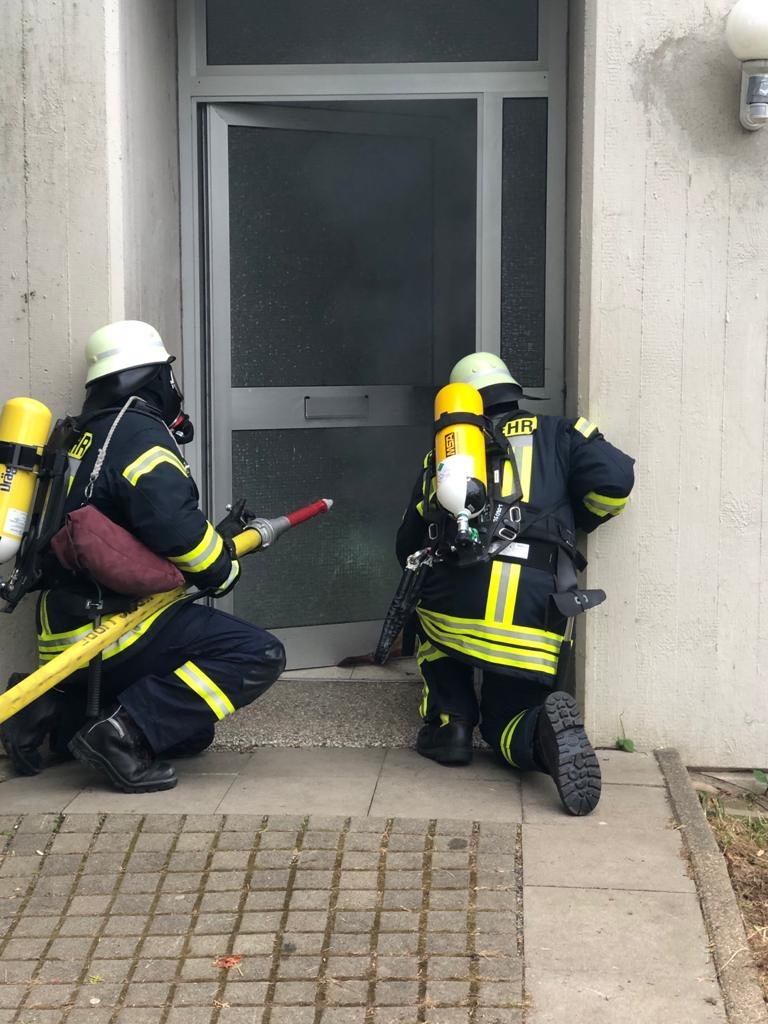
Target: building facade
{"points": [[321, 215]]}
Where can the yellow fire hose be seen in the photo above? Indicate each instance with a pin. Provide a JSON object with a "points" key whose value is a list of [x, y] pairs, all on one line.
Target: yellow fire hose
{"points": [[259, 533]]}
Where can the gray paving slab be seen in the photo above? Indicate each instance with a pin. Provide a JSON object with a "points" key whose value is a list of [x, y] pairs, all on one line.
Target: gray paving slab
{"points": [[212, 762], [289, 781], [412, 786], [201, 795], [617, 933], [605, 858], [627, 805], [51, 791], [621, 768], [601, 998]]}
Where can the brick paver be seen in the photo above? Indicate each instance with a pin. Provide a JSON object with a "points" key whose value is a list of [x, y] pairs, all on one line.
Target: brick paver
{"points": [[119, 919]]}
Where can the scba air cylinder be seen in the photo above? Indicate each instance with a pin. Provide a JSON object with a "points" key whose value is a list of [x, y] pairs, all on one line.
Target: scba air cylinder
{"points": [[24, 427], [461, 476]]}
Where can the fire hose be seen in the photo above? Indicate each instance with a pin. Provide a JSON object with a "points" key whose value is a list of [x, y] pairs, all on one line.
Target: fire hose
{"points": [[257, 533]]}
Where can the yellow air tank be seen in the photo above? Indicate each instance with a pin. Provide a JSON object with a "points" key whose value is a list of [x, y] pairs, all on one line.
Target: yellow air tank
{"points": [[27, 423], [461, 476]]}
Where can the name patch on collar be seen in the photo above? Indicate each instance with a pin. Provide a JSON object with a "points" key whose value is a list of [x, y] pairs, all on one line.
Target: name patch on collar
{"points": [[520, 426], [79, 448]]}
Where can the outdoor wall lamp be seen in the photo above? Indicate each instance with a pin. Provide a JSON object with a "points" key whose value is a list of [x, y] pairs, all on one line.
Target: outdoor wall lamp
{"points": [[746, 32]]}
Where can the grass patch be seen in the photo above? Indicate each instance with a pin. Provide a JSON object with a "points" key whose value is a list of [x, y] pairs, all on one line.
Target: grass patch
{"points": [[744, 844]]}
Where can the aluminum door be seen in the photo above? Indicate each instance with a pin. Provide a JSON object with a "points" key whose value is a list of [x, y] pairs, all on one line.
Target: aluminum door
{"points": [[340, 290]]}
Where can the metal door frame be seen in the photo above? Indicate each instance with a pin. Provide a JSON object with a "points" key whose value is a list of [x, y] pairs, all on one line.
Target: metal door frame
{"points": [[487, 83]]}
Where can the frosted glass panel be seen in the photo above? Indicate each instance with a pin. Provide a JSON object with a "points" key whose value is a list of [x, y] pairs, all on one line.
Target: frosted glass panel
{"points": [[523, 238], [342, 566], [369, 31], [331, 258]]}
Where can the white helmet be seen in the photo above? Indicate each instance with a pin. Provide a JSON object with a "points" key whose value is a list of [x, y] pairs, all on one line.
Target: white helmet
{"points": [[122, 346], [481, 370]]}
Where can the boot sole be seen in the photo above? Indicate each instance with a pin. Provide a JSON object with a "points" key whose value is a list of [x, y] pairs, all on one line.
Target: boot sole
{"points": [[85, 754], [573, 763]]}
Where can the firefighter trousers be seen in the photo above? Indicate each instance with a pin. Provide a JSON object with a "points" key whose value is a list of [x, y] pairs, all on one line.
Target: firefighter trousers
{"points": [[202, 666], [507, 711]]}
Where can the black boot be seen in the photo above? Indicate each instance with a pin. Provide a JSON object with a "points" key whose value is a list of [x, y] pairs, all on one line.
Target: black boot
{"points": [[450, 743], [117, 746], [563, 748], [24, 733]]}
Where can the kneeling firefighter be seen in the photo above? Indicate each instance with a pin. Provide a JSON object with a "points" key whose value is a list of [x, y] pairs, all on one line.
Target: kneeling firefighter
{"points": [[169, 680], [490, 529]]}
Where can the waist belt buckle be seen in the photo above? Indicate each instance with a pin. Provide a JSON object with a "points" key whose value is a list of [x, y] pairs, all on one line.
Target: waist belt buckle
{"points": [[511, 527]]}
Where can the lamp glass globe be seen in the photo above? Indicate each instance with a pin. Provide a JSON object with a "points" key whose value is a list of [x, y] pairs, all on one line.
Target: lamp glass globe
{"points": [[746, 30]]}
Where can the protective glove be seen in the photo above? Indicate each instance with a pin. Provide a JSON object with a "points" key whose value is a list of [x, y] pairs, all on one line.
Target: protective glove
{"points": [[234, 522], [24, 733]]}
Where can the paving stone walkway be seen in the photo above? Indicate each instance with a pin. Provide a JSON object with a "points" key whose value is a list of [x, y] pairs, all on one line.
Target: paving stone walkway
{"points": [[122, 917]]}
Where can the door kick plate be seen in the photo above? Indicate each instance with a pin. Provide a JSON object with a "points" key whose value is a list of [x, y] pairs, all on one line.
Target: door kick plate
{"points": [[324, 407]]}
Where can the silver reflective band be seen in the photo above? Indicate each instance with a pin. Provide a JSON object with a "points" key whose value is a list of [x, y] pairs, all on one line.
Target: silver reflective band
{"points": [[196, 564], [149, 343]]}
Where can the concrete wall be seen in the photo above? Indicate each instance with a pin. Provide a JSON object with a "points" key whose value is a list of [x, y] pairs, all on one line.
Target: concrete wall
{"points": [[89, 194], [150, 166], [668, 257], [55, 254]]}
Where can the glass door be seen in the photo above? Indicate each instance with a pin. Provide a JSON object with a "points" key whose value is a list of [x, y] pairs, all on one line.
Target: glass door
{"points": [[341, 276]]}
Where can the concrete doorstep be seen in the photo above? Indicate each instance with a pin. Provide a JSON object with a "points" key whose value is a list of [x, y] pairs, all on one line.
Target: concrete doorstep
{"points": [[348, 886]]}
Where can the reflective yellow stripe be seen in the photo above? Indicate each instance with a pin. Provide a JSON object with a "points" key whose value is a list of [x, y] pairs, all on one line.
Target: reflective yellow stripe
{"points": [[502, 592], [493, 590], [204, 687], [584, 426], [504, 632], [505, 743], [522, 448], [151, 459], [601, 505], [526, 471], [51, 644], [203, 555], [506, 479], [424, 699], [428, 652], [495, 654], [508, 612], [44, 613]]}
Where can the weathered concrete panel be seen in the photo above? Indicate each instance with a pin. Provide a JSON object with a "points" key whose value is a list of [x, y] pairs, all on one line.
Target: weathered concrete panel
{"points": [[54, 180], [151, 166], [673, 307]]}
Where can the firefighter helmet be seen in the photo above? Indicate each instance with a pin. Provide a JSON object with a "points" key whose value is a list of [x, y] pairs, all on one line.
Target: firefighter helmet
{"points": [[123, 345], [481, 370]]}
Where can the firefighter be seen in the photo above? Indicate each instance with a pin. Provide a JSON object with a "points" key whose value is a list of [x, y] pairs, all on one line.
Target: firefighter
{"points": [[496, 612], [168, 681]]}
